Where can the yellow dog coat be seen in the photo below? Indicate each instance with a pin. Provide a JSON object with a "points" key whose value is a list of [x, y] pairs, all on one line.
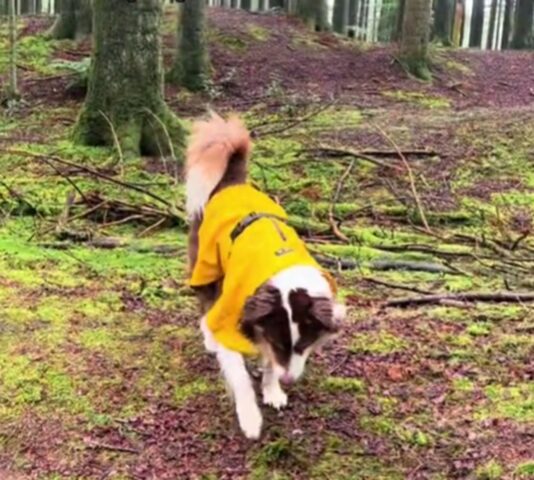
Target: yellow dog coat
{"points": [[245, 254]]}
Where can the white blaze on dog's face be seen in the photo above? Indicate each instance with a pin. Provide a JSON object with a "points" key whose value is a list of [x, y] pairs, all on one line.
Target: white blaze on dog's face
{"points": [[290, 318]]}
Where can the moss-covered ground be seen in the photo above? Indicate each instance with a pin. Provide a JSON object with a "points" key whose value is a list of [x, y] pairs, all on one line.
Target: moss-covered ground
{"points": [[102, 369]]}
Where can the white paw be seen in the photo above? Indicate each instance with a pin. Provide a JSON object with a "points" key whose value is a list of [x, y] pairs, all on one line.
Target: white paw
{"points": [[274, 397], [250, 421]]}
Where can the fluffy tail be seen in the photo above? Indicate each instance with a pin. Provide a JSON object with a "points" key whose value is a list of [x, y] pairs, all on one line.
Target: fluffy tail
{"points": [[217, 148]]}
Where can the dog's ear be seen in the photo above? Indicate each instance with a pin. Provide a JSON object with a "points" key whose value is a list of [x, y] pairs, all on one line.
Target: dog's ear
{"points": [[328, 313], [258, 306]]}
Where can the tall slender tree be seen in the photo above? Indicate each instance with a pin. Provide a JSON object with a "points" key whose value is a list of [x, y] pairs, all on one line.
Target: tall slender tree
{"points": [[341, 16], [75, 20], [125, 102], [522, 34], [477, 24], [191, 67], [443, 20], [507, 23], [492, 24], [314, 13], [12, 90], [415, 37]]}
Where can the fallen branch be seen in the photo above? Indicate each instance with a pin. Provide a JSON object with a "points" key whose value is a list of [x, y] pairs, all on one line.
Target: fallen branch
{"points": [[415, 194], [396, 286], [93, 172], [113, 448], [497, 297], [335, 229], [342, 152]]}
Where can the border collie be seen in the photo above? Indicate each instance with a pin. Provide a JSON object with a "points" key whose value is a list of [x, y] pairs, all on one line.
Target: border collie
{"points": [[260, 290]]}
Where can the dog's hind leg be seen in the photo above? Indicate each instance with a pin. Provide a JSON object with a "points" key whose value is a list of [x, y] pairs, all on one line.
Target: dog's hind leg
{"points": [[238, 379]]}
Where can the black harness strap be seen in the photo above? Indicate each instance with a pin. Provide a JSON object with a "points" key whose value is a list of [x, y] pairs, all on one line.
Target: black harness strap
{"points": [[249, 220]]}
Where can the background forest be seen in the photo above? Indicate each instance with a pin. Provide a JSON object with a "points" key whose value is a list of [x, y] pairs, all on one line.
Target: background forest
{"points": [[399, 136]]}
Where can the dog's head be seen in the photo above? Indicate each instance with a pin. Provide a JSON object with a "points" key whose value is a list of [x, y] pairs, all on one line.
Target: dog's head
{"points": [[288, 326]]}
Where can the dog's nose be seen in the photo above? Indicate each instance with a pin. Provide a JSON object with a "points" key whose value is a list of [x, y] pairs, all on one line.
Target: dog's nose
{"points": [[287, 379]]}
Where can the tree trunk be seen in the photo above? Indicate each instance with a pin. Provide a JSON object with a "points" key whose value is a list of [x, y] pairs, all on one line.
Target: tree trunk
{"points": [[341, 16], [443, 21], [12, 89], [458, 24], [522, 36], [191, 65], [400, 19], [415, 34], [314, 13], [477, 23], [492, 27], [246, 4], [507, 23], [74, 21], [125, 102]]}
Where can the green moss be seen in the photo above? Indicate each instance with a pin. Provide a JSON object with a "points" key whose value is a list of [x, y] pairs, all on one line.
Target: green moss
{"points": [[419, 99], [525, 470], [33, 53], [378, 343], [187, 391], [513, 402], [463, 385], [342, 384], [344, 460], [258, 33], [274, 460], [478, 329], [490, 471]]}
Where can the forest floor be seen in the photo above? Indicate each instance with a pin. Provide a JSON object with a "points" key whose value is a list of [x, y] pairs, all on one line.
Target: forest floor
{"points": [[102, 369]]}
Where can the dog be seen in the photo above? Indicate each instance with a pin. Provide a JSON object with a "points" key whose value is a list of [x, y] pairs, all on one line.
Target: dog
{"points": [[260, 290]]}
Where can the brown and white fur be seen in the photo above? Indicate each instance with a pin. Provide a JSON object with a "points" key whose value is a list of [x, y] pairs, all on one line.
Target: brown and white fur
{"points": [[289, 316]]}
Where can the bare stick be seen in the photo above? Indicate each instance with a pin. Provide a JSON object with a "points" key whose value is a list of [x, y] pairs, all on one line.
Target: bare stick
{"points": [[335, 229], [497, 297], [115, 141], [410, 176]]}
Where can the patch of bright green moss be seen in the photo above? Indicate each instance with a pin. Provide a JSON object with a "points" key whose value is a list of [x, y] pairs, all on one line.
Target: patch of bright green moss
{"points": [[525, 470], [513, 402], [489, 471], [187, 391], [378, 343], [342, 384], [258, 33], [418, 98]]}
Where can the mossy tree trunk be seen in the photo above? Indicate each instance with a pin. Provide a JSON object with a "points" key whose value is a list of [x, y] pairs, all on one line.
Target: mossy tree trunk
{"points": [[522, 36], [492, 25], [191, 67], [314, 13], [399, 20], [415, 35], [443, 21], [341, 16], [507, 23], [75, 20], [477, 24], [125, 102]]}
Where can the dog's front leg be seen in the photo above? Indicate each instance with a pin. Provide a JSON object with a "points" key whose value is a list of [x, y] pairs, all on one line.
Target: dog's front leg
{"points": [[273, 394], [238, 379]]}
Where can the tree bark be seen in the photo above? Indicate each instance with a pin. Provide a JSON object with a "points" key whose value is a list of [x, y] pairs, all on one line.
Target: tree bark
{"points": [[443, 21], [341, 16], [492, 24], [507, 23], [415, 35], [75, 20], [12, 90], [191, 65], [522, 36], [314, 13], [125, 102], [400, 19], [477, 23], [246, 4]]}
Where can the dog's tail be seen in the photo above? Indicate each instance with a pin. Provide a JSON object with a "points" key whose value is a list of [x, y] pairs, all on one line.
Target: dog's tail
{"points": [[217, 149]]}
